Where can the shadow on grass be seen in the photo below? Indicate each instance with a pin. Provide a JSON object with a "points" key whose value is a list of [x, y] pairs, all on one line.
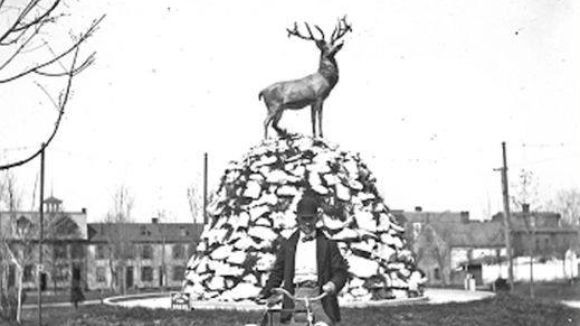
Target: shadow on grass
{"points": [[503, 309]]}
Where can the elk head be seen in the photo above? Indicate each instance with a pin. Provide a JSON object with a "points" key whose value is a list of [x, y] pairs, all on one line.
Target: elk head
{"points": [[328, 49]]}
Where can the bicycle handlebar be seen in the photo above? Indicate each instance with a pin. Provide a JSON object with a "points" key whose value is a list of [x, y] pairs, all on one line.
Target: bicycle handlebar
{"points": [[305, 299]]}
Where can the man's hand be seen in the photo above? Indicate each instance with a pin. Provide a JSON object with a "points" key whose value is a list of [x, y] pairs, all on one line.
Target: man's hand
{"points": [[329, 288]]}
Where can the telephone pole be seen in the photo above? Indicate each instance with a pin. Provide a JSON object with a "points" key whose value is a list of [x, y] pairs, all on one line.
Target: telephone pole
{"points": [[204, 188], [507, 217], [40, 235]]}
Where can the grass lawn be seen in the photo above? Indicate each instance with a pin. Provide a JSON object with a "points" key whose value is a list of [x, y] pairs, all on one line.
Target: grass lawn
{"points": [[550, 290], [501, 310]]}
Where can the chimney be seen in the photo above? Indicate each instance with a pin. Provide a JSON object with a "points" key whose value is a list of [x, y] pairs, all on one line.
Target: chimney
{"points": [[154, 220], [418, 209], [464, 216], [84, 210], [525, 208]]}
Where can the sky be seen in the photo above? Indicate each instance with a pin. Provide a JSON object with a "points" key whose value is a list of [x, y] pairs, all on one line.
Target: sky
{"points": [[428, 91]]}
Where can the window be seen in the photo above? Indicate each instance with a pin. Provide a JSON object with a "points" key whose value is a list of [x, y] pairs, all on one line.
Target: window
{"points": [[436, 274], [146, 251], [101, 274], [28, 275], [146, 274], [60, 252], [77, 251], [100, 251], [178, 273], [178, 251], [192, 249], [61, 273]]}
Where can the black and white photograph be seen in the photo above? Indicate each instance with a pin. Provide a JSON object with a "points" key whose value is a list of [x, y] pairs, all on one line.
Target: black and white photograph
{"points": [[300, 163]]}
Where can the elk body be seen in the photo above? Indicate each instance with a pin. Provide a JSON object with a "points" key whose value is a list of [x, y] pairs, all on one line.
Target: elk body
{"points": [[311, 90]]}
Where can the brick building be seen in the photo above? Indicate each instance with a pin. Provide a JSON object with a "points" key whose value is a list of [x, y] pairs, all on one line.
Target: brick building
{"points": [[99, 255]]}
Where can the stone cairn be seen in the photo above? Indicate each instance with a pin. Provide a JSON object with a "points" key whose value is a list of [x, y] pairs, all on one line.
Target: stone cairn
{"points": [[255, 206]]}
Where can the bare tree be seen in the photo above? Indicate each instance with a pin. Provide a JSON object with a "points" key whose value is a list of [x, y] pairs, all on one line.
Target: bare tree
{"points": [[567, 203], [525, 191], [195, 201], [119, 247], [27, 31], [18, 240]]}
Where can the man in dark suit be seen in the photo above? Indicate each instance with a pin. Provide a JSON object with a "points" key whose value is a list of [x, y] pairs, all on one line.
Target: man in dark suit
{"points": [[308, 263]]}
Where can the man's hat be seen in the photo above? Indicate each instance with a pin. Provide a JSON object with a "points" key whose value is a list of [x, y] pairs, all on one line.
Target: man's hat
{"points": [[308, 205]]}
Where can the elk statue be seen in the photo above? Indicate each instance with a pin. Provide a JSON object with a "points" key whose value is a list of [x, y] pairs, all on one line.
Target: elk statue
{"points": [[311, 90]]}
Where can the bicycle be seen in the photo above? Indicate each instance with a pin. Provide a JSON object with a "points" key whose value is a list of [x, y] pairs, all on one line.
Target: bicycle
{"points": [[307, 308]]}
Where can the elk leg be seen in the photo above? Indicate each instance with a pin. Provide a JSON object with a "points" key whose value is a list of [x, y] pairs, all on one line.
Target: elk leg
{"points": [[277, 116], [320, 120], [313, 118], [269, 119]]}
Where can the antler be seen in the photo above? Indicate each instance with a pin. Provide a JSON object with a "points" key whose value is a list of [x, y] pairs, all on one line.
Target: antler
{"points": [[310, 36], [342, 27]]}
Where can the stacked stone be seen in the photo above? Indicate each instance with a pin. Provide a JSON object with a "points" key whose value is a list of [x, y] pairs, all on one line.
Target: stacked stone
{"points": [[255, 206]]}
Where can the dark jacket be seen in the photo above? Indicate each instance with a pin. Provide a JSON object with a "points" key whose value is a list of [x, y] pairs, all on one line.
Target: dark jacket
{"points": [[331, 267]]}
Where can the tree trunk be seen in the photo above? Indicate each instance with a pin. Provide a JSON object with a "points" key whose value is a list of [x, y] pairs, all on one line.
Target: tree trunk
{"points": [[19, 308]]}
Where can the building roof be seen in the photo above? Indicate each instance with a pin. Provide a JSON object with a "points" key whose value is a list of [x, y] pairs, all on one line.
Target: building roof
{"points": [[52, 200], [473, 234], [426, 217], [145, 232]]}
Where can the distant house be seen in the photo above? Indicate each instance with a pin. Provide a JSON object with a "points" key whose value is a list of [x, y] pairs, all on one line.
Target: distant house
{"points": [[64, 242], [98, 255], [448, 245], [139, 255]]}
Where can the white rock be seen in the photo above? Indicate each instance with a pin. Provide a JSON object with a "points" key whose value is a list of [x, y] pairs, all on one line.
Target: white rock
{"points": [[346, 234], [299, 171], [320, 189], [400, 294], [202, 267], [280, 177], [359, 291], [365, 221], [363, 196], [267, 198], [397, 228], [201, 247], [265, 261], [262, 232], [391, 240], [287, 233], [342, 192], [362, 267], [253, 189], [331, 179], [356, 282], [216, 283], [216, 236], [316, 183], [385, 252], [237, 257], [384, 223], [257, 176], [354, 184], [229, 270], [251, 279], [332, 223], [245, 243], [221, 253], [367, 246], [241, 291], [286, 190], [262, 221], [258, 211]]}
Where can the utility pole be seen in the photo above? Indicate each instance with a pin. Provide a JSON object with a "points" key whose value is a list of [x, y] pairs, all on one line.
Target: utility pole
{"points": [[529, 217], [40, 235], [205, 188], [507, 217]]}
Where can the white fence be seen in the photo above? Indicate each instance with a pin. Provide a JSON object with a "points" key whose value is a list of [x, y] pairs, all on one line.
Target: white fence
{"points": [[551, 270]]}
